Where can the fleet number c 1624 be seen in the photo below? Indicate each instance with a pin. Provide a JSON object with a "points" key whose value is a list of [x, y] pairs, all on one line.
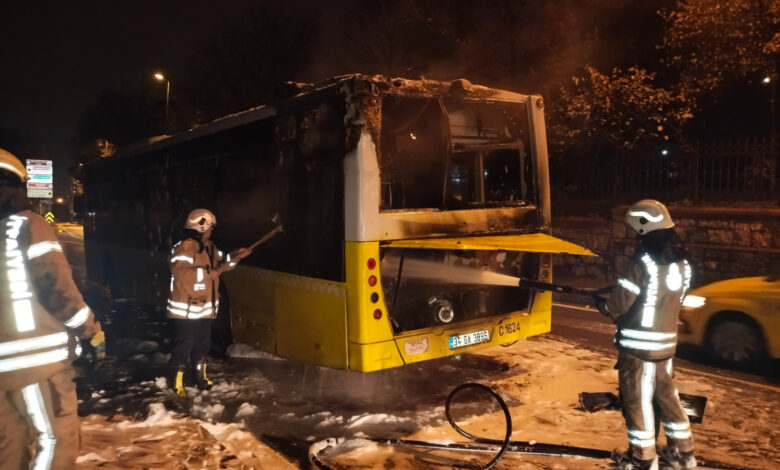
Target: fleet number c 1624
{"points": [[509, 328]]}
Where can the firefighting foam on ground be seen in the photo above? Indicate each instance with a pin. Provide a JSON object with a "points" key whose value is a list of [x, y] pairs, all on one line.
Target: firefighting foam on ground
{"points": [[264, 412]]}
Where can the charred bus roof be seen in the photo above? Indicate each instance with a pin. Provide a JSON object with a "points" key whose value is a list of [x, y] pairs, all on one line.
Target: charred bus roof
{"points": [[358, 93]]}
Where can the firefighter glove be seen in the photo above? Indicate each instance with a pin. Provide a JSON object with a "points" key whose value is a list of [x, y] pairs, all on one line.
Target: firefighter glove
{"points": [[99, 343]]}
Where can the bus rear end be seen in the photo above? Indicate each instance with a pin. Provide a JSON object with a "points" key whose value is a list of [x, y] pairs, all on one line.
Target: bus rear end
{"points": [[447, 208]]}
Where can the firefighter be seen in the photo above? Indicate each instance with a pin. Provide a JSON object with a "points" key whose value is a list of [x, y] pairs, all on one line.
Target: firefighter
{"points": [[647, 300], [42, 315], [196, 264]]}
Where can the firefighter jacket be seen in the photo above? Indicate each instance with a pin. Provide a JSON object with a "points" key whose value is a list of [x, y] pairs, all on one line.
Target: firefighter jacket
{"points": [[194, 284], [42, 312], [648, 296]]}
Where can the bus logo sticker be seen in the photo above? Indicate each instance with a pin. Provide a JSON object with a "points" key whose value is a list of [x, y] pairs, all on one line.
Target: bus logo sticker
{"points": [[416, 347]]}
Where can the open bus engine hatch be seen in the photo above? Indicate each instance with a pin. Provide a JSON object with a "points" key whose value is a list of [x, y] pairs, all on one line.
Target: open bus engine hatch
{"points": [[438, 281], [531, 242]]}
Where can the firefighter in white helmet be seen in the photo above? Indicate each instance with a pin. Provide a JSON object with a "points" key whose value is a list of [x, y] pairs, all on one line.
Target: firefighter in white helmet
{"points": [[196, 264], [647, 300], [42, 315]]}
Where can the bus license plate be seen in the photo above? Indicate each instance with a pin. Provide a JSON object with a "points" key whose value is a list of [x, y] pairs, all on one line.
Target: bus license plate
{"points": [[475, 337]]}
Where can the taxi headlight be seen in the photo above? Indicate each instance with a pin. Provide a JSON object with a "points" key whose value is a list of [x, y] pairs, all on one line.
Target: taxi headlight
{"points": [[693, 301]]}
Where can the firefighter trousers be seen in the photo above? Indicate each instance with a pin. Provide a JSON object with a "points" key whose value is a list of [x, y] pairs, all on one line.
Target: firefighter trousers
{"points": [[648, 395], [39, 425], [191, 340]]}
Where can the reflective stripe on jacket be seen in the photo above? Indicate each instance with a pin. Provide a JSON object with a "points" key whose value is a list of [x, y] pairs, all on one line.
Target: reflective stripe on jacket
{"points": [[194, 292], [42, 310], [648, 297]]}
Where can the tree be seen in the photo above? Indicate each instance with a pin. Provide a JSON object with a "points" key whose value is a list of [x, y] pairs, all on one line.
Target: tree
{"points": [[621, 110], [712, 41]]}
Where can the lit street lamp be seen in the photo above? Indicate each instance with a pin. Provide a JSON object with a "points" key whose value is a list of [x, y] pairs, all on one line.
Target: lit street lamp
{"points": [[162, 77]]}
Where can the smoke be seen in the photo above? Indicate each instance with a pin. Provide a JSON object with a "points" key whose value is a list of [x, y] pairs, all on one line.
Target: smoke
{"points": [[530, 47]]}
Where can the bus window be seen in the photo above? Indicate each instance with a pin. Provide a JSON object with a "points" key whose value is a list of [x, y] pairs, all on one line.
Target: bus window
{"points": [[412, 154], [489, 163], [451, 155], [487, 178]]}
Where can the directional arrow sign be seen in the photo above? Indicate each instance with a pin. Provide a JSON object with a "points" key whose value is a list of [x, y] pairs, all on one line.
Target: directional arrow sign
{"points": [[50, 217]]}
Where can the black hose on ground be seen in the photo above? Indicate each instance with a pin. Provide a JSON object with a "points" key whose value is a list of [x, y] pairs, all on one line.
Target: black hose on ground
{"points": [[477, 439], [489, 445]]}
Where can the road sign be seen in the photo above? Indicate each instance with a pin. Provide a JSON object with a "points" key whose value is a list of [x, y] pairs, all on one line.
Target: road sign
{"points": [[41, 182], [50, 217]]}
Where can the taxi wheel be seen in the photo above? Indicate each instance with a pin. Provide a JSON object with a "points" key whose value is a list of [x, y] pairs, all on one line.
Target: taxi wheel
{"points": [[736, 339]]}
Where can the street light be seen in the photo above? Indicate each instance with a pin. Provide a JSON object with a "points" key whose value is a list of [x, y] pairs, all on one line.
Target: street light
{"points": [[162, 77]]}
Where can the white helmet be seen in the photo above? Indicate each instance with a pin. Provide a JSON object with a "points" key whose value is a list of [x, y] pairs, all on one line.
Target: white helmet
{"points": [[200, 220], [648, 215], [13, 165]]}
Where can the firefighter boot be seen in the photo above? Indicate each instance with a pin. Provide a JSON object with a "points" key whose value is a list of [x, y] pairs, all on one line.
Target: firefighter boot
{"points": [[626, 461], [201, 379], [674, 459], [178, 380]]}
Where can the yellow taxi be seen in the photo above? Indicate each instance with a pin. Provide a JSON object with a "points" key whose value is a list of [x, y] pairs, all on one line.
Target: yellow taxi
{"points": [[737, 319]]}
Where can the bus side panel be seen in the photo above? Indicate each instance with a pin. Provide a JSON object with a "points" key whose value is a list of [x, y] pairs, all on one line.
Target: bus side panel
{"points": [[306, 317], [371, 345], [252, 298]]}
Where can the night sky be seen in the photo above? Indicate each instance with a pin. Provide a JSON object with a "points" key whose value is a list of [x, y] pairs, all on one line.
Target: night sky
{"points": [[58, 56]]}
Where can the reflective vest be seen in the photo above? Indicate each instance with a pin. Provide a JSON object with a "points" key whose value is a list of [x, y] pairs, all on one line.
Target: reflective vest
{"points": [[648, 297], [194, 292], [42, 311]]}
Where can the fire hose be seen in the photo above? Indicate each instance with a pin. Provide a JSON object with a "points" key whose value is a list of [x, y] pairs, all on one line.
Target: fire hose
{"points": [[484, 445], [595, 294]]}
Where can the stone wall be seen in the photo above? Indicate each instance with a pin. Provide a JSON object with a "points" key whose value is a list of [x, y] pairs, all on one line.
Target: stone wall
{"points": [[723, 242]]}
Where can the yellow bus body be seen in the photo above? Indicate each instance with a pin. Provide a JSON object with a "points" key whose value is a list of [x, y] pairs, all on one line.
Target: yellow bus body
{"points": [[332, 324], [263, 160]]}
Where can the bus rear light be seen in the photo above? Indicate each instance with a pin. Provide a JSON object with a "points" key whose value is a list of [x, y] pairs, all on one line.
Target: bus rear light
{"points": [[377, 314], [372, 281], [371, 263]]}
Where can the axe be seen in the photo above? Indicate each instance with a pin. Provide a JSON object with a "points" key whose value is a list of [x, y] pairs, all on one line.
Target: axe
{"points": [[279, 228]]}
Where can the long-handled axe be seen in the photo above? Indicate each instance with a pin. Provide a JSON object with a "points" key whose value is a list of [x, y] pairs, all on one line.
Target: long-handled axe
{"points": [[279, 228]]}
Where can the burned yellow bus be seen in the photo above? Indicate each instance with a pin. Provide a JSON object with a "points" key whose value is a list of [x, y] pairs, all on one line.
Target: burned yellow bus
{"points": [[410, 208]]}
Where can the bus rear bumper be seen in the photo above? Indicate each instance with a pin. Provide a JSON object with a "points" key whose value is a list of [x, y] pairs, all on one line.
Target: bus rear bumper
{"points": [[440, 342]]}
